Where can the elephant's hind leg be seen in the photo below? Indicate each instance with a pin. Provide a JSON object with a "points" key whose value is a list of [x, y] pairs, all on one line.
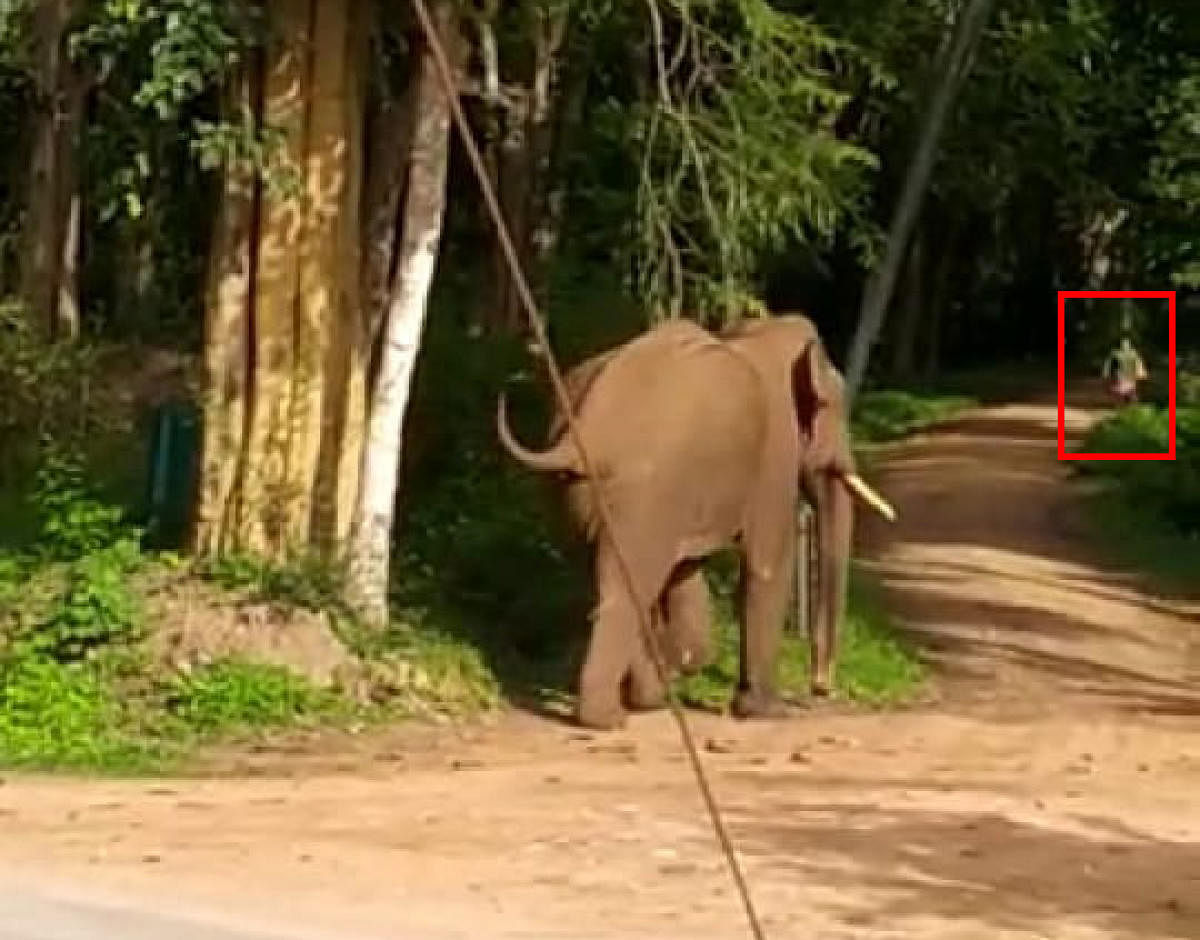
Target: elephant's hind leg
{"points": [[616, 648], [687, 633], [682, 628]]}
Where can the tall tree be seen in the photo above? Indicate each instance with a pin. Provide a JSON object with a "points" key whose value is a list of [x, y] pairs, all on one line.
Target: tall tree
{"points": [[424, 211], [284, 350], [953, 71], [49, 266]]}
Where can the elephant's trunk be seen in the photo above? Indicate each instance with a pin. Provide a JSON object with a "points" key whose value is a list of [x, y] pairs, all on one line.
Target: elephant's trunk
{"points": [[835, 517], [560, 458]]}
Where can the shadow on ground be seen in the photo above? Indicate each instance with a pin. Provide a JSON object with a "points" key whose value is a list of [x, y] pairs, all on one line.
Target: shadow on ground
{"points": [[896, 867], [992, 570]]}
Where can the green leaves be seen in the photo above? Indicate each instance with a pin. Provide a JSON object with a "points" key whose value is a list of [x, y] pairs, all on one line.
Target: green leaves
{"points": [[1175, 181], [739, 152], [1167, 490]]}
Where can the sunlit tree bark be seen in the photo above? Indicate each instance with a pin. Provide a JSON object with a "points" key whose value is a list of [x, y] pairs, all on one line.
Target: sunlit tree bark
{"points": [[284, 396], [424, 210]]}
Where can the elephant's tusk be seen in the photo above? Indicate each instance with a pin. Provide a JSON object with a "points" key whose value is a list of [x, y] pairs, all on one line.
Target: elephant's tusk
{"points": [[859, 488]]}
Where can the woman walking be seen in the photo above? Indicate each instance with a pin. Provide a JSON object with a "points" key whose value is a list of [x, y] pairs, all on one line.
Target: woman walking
{"points": [[1123, 370]]}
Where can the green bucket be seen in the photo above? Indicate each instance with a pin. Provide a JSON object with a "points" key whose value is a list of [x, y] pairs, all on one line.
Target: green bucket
{"points": [[170, 481]]}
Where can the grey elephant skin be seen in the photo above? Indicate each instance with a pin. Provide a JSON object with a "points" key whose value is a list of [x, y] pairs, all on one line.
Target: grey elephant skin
{"points": [[701, 441]]}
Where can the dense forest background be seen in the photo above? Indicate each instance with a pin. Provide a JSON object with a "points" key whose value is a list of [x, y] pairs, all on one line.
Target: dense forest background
{"points": [[258, 214]]}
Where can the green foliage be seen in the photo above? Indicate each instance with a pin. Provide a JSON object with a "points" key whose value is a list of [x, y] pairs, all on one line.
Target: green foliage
{"points": [[95, 611], [236, 696], [309, 583], [889, 415], [1130, 536], [1167, 493], [76, 689], [68, 716], [739, 153], [874, 666], [73, 521], [420, 668], [46, 394], [171, 56], [1175, 180]]}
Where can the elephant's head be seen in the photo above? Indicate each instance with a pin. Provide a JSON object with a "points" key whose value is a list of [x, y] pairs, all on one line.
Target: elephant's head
{"points": [[808, 394]]}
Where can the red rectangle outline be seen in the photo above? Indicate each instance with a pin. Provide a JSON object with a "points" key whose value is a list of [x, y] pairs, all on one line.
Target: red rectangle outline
{"points": [[1063, 297]]}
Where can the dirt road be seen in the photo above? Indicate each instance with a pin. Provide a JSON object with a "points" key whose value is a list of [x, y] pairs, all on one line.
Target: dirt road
{"points": [[1052, 790]]}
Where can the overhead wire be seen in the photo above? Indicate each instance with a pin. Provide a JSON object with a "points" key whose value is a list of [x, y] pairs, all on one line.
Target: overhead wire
{"points": [[603, 511]]}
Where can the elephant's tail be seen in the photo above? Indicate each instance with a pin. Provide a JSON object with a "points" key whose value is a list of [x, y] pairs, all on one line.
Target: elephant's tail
{"points": [[560, 458]]}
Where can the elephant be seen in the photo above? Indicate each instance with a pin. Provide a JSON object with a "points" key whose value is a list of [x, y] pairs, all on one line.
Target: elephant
{"points": [[701, 441]]}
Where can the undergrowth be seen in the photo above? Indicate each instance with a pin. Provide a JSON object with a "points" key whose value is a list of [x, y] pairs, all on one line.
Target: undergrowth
{"points": [[1147, 512], [490, 601], [77, 689], [874, 667], [888, 415]]}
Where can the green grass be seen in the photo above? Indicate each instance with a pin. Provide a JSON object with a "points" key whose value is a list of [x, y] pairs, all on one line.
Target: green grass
{"points": [[875, 667], [420, 668], [1133, 538], [232, 696], [1147, 513], [888, 415], [490, 604], [60, 716]]}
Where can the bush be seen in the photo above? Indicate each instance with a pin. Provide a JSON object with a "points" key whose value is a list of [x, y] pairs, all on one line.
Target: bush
{"points": [[1167, 490], [231, 695], [67, 715], [306, 583], [76, 690], [881, 416], [874, 666]]}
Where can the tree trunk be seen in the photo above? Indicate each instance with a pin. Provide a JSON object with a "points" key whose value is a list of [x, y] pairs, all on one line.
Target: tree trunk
{"points": [[232, 273], [285, 394], [342, 427], [135, 280], [904, 351], [370, 548], [523, 161], [514, 177], [49, 265], [66, 313], [878, 294], [545, 118], [387, 171], [939, 298]]}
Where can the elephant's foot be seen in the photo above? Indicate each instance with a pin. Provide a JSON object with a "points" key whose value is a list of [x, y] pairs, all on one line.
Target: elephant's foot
{"points": [[602, 715], [821, 685], [752, 703], [646, 692]]}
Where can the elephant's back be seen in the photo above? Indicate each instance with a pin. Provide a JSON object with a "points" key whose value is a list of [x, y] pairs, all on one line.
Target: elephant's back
{"points": [[676, 405]]}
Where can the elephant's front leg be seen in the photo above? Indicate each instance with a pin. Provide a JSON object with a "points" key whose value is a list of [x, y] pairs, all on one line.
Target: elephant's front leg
{"points": [[766, 589], [616, 649]]}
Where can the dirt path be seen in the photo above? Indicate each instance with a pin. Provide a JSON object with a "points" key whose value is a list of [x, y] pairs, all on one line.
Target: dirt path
{"points": [[1052, 791]]}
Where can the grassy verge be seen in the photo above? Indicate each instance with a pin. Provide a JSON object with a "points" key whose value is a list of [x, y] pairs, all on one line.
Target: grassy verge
{"points": [[1134, 540], [875, 667], [888, 415], [79, 690], [1147, 513], [490, 605]]}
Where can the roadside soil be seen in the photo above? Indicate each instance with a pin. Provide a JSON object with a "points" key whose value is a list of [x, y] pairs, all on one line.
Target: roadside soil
{"points": [[1049, 788]]}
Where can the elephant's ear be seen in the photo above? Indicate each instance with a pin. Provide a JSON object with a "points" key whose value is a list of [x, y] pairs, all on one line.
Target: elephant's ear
{"points": [[811, 387]]}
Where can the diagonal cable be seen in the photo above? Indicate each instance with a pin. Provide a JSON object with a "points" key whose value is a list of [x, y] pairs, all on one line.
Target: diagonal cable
{"points": [[450, 89]]}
